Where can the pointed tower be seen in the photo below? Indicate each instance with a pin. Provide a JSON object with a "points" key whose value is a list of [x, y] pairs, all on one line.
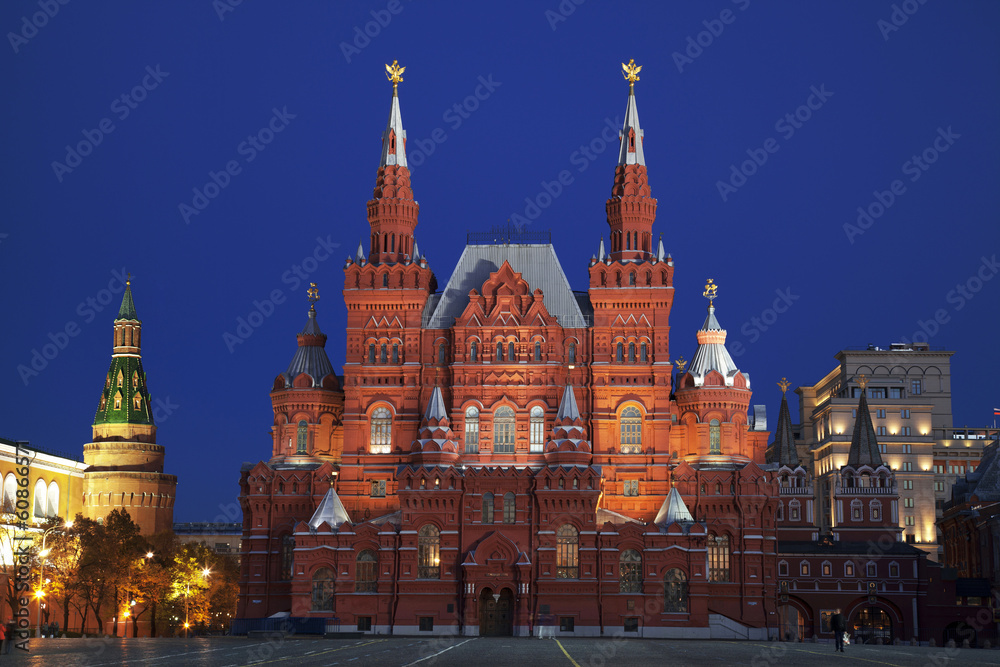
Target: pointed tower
{"points": [[631, 209], [436, 445], [569, 444], [125, 463], [392, 211], [795, 515], [866, 497], [307, 400]]}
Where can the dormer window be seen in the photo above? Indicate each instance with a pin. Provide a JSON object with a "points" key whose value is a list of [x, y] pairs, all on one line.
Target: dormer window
{"points": [[118, 401], [135, 379], [137, 402]]}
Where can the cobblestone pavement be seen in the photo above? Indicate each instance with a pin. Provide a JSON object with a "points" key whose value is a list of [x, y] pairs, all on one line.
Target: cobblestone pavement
{"points": [[474, 651]]}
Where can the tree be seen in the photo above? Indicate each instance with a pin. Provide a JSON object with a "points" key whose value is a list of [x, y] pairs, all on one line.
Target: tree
{"points": [[63, 565], [109, 552]]}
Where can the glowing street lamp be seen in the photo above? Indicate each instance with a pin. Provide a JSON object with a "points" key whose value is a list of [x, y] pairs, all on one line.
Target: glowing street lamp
{"points": [[40, 593]]}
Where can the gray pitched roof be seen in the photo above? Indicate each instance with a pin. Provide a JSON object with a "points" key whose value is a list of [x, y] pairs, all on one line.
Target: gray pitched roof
{"points": [[567, 407], [310, 358], [536, 262], [988, 486], [330, 510], [631, 122], [864, 446], [783, 450], [435, 407], [673, 509]]}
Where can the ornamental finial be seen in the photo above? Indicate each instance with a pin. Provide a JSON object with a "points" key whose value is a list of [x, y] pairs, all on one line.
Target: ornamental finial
{"points": [[784, 384], [631, 73], [710, 291], [128, 279], [313, 296], [394, 73], [681, 363], [862, 381]]}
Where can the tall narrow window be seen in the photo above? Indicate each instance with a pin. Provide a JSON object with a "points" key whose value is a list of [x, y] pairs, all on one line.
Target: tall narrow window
{"points": [[287, 556], [472, 430], [571, 353], [487, 508], [916, 387], [675, 592], [537, 429], [538, 351], [40, 498], [620, 352], [428, 552], [442, 352], [630, 571], [301, 437], [371, 353], [511, 352], [383, 356], [385, 280], [366, 572], [631, 353], [631, 276], [395, 353], [474, 351], [381, 435], [322, 590], [567, 552], [718, 558], [631, 430], [714, 437], [9, 493], [643, 353], [503, 430], [509, 508], [500, 351]]}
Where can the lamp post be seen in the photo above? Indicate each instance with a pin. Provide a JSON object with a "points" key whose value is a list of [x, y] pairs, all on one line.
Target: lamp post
{"points": [[187, 591], [40, 591]]}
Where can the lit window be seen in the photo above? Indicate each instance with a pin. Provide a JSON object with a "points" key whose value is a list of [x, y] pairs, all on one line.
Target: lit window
{"points": [[827, 569], [881, 431], [428, 552], [503, 430], [714, 437], [804, 569], [472, 430], [118, 400], [880, 413], [381, 432], [567, 552], [537, 429], [876, 510], [301, 437], [907, 466], [630, 572], [893, 569], [908, 484], [718, 558], [905, 430], [907, 502], [631, 430], [849, 569], [908, 521]]}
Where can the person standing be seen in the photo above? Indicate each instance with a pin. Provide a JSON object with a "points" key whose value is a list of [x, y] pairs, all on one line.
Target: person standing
{"points": [[838, 626]]}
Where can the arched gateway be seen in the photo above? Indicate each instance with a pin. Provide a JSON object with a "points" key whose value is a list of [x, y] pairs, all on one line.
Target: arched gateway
{"points": [[496, 613]]}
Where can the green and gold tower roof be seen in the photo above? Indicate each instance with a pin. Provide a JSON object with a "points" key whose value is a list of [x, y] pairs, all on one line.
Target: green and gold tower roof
{"points": [[125, 397]]}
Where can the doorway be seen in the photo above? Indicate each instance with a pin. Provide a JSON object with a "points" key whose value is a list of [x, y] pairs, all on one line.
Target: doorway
{"points": [[496, 613]]}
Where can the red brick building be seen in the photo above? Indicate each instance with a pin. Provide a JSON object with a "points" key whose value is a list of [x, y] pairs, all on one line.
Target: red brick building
{"points": [[505, 449]]}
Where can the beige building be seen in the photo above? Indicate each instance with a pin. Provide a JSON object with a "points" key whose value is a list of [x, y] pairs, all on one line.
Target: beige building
{"points": [[222, 538], [909, 398]]}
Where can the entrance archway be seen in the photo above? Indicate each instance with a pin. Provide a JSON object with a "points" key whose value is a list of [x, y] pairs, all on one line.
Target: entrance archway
{"points": [[496, 613], [871, 624], [792, 623]]}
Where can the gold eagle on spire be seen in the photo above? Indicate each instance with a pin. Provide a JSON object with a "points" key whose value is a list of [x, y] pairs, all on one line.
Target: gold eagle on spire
{"points": [[631, 71], [394, 73]]}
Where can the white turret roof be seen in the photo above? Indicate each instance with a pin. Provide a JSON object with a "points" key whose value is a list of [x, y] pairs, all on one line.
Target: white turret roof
{"points": [[330, 510], [625, 156], [394, 126], [712, 354], [673, 509]]}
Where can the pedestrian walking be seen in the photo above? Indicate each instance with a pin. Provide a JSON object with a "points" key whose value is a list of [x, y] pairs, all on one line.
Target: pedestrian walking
{"points": [[839, 629]]}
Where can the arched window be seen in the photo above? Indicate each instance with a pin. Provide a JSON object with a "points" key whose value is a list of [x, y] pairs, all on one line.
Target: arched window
{"points": [[428, 552], [718, 558], [381, 435], [538, 351], [537, 429], [571, 353], [442, 353], [371, 353], [643, 353], [620, 352], [631, 353], [567, 552], [301, 437], [631, 430], [9, 493], [794, 508], [631, 278], [395, 353], [500, 351], [630, 571], [511, 352], [52, 506], [385, 280], [41, 491], [804, 568], [472, 430], [383, 355], [487, 508], [508, 507], [474, 351], [118, 400], [714, 437], [322, 590], [876, 510], [856, 507], [287, 556], [675, 592], [503, 430], [366, 572]]}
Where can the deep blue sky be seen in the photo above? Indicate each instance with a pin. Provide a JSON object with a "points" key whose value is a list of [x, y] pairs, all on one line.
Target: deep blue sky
{"points": [[782, 230]]}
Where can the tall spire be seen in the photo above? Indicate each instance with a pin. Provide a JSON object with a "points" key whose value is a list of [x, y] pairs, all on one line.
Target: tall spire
{"points": [[712, 354], [783, 450], [392, 211], [125, 398], [631, 209], [127, 310], [864, 447]]}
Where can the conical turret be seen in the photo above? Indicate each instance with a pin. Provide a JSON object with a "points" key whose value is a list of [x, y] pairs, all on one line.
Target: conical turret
{"points": [[783, 451]]}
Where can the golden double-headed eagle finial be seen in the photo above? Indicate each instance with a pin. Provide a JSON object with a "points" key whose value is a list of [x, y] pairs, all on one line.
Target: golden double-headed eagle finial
{"points": [[784, 384], [710, 290], [631, 73], [313, 295], [394, 73], [862, 381], [680, 363]]}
